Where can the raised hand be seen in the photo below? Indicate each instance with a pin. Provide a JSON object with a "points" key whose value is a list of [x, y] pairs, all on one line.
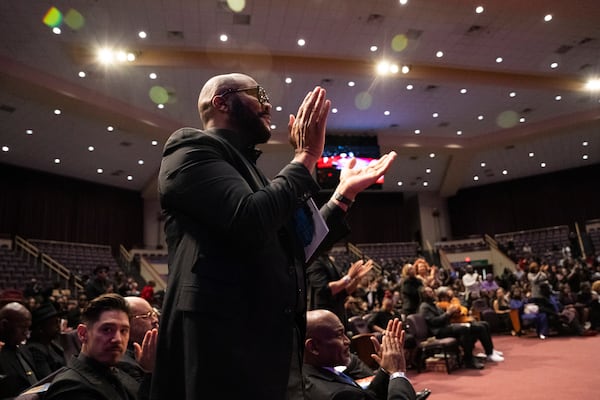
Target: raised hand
{"points": [[307, 127], [145, 354]]}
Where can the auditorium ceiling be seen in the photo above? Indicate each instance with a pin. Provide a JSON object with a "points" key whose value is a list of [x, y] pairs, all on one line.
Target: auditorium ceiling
{"points": [[465, 96]]}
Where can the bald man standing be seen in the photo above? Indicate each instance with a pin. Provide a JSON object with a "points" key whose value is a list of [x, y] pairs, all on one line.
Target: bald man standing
{"points": [[233, 316]]}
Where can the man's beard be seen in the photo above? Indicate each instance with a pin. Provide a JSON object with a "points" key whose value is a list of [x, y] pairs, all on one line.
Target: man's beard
{"points": [[249, 122]]}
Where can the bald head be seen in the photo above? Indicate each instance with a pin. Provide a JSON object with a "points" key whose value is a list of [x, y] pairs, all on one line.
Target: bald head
{"points": [[15, 321], [143, 318], [209, 111], [326, 343]]}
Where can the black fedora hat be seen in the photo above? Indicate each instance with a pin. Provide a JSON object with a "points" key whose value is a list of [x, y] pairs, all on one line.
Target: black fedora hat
{"points": [[44, 312]]}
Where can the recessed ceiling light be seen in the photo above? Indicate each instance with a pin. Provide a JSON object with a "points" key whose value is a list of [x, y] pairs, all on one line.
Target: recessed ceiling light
{"points": [[558, 98], [57, 112], [29, 131], [459, 132], [499, 60], [405, 69], [99, 170], [142, 35], [548, 17], [110, 128], [160, 106], [543, 165], [140, 162], [479, 9], [428, 171], [351, 83], [399, 183], [409, 87], [403, 2], [512, 94], [81, 74], [288, 80], [504, 172], [475, 178], [334, 110], [386, 112], [5, 149], [593, 84], [394, 68], [57, 161], [531, 154], [522, 119], [129, 177], [373, 48], [223, 37], [273, 126], [483, 165], [278, 108], [417, 131], [131, 57], [480, 117], [56, 30], [554, 65], [431, 155], [584, 144], [90, 148], [585, 156], [152, 75], [435, 115], [425, 183], [463, 91], [439, 54], [301, 42]]}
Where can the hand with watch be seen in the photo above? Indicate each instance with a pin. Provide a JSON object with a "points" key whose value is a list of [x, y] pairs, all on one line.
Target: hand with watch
{"points": [[354, 180], [390, 353]]}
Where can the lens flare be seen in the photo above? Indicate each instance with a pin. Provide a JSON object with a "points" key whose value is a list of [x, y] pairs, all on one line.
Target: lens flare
{"points": [[507, 119], [363, 101], [159, 95], [74, 19], [53, 17], [236, 5], [399, 43]]}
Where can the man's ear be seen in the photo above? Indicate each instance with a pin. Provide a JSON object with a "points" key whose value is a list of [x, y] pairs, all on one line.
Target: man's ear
{"points": [[219, 103], [311, 346], [82, 333]]}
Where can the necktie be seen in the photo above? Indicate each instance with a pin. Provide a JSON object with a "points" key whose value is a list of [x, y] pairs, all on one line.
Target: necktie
{"points": [[347, 379]]}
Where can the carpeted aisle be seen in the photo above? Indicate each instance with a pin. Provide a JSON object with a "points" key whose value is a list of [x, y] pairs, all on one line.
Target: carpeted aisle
{"points": [[534, 369]]}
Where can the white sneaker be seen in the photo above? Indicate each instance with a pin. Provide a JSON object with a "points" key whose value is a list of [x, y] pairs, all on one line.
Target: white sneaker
{"points": [[542, 337], [498, 352], [481, 355], [495, 358]]}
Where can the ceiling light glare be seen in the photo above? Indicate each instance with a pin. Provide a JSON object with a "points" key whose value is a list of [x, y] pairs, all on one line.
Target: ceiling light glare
{"points": [[334, 110], [403, 2], [142, 35], [278, 108], [585, 157], [428, 171], [399, 183], [483, 165], [160, 106], [288, 80], [531, 154], [105, 56], [504, 172], [431, 155], [543, 165], [435, 115], [57, 112], [463, 91], [386, 112], [480, 117], [499, 60], [585, 144], [394, 68], [110, 128], [475, 178], [129, 177], [373, 48], [121, 56], [512, 94], [459, 133], [99, 170], [152, 75], [479, 9], [351, 83], [90, 148], [273, 126], [425, 183], [558, 98], [522, 119], [140, 162], [417, 131], [383, 67], [439, 54], [5, 149], [409, 87], [154, 143], [81, 74], [593, 84], [56, 30], [30, 132], [301, 42], [223, 37], [554, 65], [130, 57], [57, 161], [405, 69], [548, 17]]}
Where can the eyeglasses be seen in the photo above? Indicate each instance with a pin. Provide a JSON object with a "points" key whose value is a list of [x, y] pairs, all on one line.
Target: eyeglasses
{"points": [[257, 91], [147, 315]]}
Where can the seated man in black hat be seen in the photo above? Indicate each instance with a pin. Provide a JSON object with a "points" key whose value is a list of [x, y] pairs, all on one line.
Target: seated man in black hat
{"points": [[48, 355]]}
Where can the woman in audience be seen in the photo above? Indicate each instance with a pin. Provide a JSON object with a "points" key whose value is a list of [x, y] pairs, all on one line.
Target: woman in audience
{"points": [[410, 290], [502, 309]]}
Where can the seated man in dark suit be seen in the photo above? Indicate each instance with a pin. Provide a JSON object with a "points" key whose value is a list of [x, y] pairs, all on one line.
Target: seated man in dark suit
{"points": [[327, 346], [104, 335], [17, 367], [438, 322]]}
